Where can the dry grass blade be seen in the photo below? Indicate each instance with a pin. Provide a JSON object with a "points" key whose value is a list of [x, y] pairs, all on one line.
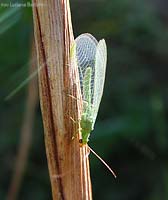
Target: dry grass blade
{"points": [[67, 162]]}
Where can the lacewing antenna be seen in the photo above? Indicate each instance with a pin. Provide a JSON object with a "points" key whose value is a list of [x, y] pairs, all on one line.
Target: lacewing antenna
{"points": [[108, 167]]}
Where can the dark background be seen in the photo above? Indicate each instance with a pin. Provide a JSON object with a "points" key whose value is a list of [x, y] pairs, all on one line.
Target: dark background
{"points": [[131, 128]]}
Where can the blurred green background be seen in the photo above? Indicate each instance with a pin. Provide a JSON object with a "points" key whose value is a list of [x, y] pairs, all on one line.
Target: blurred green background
{"points": [[131, 129]]}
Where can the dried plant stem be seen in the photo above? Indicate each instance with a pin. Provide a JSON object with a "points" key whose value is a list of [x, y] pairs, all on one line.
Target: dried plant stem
{"points": [[67, 162]]}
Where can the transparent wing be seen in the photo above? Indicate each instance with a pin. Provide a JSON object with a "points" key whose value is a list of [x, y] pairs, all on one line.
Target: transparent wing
{"points": [[86, 46], [99, 76]]}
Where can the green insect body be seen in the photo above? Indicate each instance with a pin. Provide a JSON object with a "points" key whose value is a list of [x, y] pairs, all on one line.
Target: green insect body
{"points": [[86, 121], [90, 56]]}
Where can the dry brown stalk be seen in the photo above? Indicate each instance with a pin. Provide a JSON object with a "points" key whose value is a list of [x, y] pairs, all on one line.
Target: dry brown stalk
{"points": [[67, 162]]}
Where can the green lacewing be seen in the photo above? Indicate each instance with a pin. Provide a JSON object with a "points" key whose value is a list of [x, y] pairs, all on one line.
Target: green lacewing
{"points": [[91, 58]]}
